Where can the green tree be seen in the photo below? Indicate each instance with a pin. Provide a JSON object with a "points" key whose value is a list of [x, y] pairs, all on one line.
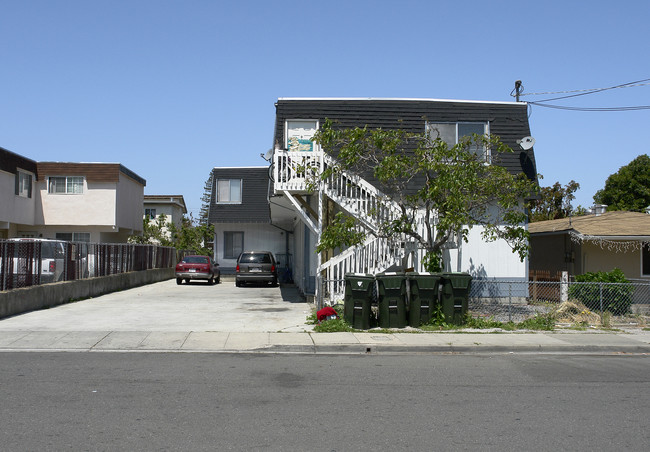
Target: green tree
{"points": [[629, 188], [206, 199], [191, 235], [194, 236], [555, 202], [452, 186], [154, 232]]}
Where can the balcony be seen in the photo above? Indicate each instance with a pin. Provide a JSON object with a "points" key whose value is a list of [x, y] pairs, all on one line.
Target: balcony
{"points": [[293, 171]]}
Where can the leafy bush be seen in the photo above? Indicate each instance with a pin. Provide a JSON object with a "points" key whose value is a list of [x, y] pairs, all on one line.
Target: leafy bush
{"points": [[616, 292]]}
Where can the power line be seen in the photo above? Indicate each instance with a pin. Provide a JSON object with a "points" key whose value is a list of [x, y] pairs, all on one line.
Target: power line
{"points": [[519, 91], [561, 107], [587, 91]]}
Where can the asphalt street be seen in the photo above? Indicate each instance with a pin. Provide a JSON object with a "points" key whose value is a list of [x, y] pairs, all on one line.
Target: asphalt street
{"points": [[199, 401]]}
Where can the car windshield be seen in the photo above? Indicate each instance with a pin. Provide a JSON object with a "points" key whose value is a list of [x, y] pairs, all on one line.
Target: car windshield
{"points": [[195, 260], [256, 258]]}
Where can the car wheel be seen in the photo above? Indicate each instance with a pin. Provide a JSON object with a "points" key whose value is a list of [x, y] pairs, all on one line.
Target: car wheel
{"points": [[218, 281], [274, 283], [187, 280], [210, 280], [179, 281], [237, 283]]}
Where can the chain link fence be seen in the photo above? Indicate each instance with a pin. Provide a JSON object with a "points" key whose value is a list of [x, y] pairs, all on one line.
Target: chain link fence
{"points": [[30, 262], [519, 300]]}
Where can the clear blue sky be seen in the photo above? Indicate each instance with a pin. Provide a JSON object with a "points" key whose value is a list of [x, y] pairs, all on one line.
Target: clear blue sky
{"points": [[171, 89]]}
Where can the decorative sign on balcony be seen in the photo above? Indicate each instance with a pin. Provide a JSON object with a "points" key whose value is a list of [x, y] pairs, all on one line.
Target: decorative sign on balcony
{"points": [[299, 135]]}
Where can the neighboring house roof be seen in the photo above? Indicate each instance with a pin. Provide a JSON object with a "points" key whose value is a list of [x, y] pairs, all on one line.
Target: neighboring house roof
{"points": [[94, 172], [166, 199], [614, 225], [254, 206], [10, 162], [508, 120]]}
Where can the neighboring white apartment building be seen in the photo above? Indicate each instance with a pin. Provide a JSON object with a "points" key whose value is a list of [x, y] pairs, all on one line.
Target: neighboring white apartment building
{"points": [[89, 202], [172, 206]]}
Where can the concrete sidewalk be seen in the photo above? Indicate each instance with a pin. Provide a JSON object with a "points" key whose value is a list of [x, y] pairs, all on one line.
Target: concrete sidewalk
{"points": [[631, 341]]}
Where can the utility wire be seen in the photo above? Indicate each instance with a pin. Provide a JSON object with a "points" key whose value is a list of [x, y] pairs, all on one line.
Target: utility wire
{"points": [[587, 91], [541, 103], [561, 107]]}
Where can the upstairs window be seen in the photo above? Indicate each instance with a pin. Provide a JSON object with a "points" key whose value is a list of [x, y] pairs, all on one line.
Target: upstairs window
{"points": [[299, 134], [150, 213], [23, 184], [65, 184], [453, 132], [229, 191]]}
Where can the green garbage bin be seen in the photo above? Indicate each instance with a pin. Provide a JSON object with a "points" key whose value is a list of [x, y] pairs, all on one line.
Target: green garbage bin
{"points": [[455, 296], [358, 299], [423, 301], [392, 299]]}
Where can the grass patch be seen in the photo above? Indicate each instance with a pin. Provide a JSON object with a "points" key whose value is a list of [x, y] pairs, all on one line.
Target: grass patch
{"points": [[333, 326]]}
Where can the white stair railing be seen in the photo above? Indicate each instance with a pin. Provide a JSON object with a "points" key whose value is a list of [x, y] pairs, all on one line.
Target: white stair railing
{"points": [[295, 171], [359, 198], [375, 255]]}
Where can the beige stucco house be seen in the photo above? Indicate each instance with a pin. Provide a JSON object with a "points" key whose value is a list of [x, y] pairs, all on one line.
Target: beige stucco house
{"points": [[89, 202], [591, 243], [172, 206]]}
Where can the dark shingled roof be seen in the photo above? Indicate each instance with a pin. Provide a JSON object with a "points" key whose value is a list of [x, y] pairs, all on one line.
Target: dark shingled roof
{"points": [[254, 207], [508, 120]]}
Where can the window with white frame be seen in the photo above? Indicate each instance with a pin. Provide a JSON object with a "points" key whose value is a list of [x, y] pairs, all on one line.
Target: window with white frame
{"points": [[453, 133], [233, 244], [65, 184], [23, 184], [74, 236], [299, 134], [229, 191]]}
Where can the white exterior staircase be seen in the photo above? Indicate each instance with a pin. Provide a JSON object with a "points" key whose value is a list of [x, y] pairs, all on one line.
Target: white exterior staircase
{"points": [[295, 173]]}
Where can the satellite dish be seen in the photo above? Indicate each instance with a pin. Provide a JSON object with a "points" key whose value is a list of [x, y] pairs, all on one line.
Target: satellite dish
{"points": [[526, 143], [268, 155]]}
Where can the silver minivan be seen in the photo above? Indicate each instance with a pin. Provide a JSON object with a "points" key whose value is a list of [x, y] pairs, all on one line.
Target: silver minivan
{"points": [[256, 267]]}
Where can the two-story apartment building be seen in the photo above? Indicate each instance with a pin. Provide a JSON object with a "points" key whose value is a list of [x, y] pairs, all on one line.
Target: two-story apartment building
{"points": [[89, 202], [240, 213], [301, 211]]}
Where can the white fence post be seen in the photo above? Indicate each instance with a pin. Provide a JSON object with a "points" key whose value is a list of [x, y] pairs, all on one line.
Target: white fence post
{"points": [[564, 287]]}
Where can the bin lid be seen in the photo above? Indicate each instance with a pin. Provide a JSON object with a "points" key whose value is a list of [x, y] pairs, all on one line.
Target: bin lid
{"points": [[389, 274], [459, 280], [359, 275], [423, 274]]}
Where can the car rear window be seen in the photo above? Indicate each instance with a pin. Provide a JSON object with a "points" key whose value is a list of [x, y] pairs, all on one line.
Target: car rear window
{"points": [[256, 258], [195, 260]]}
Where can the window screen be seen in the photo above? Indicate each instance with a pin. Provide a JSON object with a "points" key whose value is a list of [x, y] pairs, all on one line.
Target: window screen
{"points": [[229, 191], [233, 244]]}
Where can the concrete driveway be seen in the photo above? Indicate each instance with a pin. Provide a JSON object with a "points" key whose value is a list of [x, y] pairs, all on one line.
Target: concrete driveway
{"points": [[166, 306]]}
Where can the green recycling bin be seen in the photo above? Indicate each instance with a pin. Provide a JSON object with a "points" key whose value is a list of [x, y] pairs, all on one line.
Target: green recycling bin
{"points": [[424, 297], [358, 299], [392, 299], [455, 296]]}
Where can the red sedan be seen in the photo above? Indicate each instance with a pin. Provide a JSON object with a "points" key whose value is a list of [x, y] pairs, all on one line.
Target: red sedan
{"points": [[197, 267]]}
